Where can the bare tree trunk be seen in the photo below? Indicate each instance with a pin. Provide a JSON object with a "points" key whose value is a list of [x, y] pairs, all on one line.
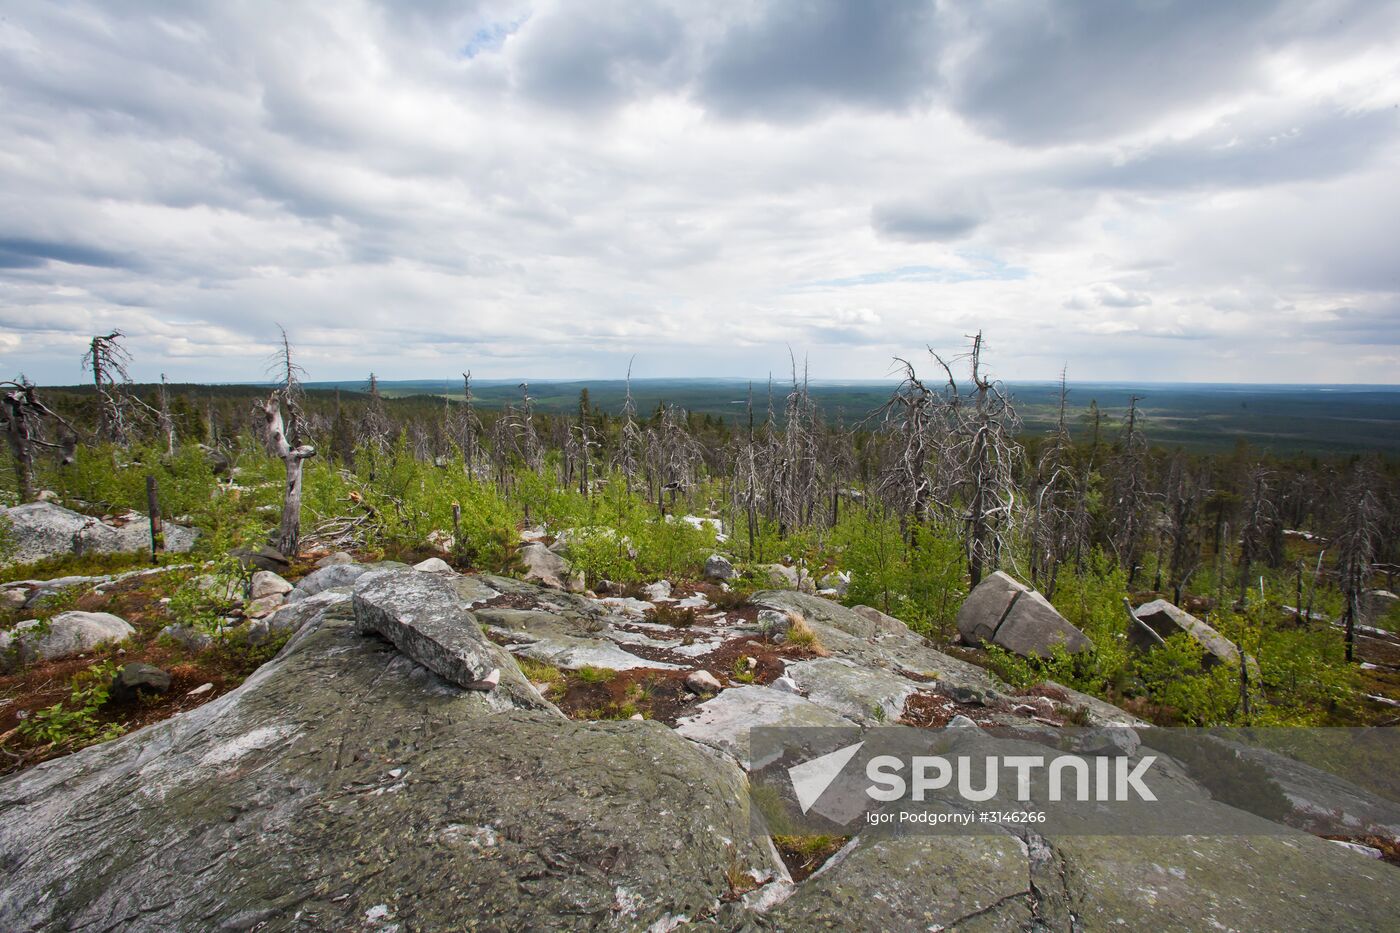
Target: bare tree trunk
{"points": [[289, 531], [17, 431]]}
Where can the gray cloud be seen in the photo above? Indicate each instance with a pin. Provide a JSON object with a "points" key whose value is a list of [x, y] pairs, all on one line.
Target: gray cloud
{"points": [[793, 58], [917, 224], [546, 188]]}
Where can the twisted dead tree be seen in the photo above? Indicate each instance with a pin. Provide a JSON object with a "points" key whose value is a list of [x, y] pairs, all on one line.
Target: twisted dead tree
{"points": [[1182, 497], [912, 415], [671, 454], [284, 441], [798, 472], [26, 421], [983, 458], [746, 490], [527, 440]]}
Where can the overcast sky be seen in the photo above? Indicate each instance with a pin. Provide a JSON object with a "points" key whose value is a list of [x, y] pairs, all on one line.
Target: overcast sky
{"points": [[1137, 190]]}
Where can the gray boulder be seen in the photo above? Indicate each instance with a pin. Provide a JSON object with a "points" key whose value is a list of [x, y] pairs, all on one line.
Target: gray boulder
{"points": [[190, 639], [329, 577], [67, 634], [884, 624], [864, 695], [781, 575], [724, 722], [42, 529], [1159, 620], [137, 678], [433, 565], [719, 567], [131, 532], [1377, 605], [267, 583], [339, 557], [546, 567], [1005, 612]]}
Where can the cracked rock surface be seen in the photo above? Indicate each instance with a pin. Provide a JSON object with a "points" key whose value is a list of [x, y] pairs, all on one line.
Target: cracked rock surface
{"points": [[346, 785]]}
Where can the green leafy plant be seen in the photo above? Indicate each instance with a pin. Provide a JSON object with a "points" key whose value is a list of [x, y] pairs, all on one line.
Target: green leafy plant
{"points": [[74, 723]]}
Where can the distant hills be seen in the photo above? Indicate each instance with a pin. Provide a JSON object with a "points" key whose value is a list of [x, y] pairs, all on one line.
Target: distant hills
{"points": [[1206, 416]]}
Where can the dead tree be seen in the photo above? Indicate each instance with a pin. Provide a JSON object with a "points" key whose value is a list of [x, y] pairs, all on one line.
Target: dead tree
{"points": [[25, 419], [1258, 520], [1356, 542], [1129, 493], [283, 441], [983, 457], [1057, 525], [470, 426], [911, 414], [629, 448], [1182, 500], [107, 360], [527, 440], [167, 424], [746, 489]]}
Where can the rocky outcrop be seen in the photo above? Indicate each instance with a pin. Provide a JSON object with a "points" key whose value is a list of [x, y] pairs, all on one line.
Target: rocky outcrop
{"points": [[1006, 613], [1159, 620], [346, 785], [42, 529]]}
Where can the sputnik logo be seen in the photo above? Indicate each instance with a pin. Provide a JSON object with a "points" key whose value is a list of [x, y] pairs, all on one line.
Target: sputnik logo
{"points": [[811, 778]]}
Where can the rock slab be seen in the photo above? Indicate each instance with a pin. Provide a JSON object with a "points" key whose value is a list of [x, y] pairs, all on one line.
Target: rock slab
{"points": [[423, 616]]}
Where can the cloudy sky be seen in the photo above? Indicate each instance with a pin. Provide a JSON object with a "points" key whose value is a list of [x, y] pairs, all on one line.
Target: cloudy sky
{"points": [[1137, 190]]}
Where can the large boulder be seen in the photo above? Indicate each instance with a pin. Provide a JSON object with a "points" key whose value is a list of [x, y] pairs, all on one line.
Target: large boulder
{"points": [[131, 532], [43, 529], [329, 577], [719, 567], [1158, 620], [724, 722], [546, 567], [65, 635], [345, 787], [1004, 612]]}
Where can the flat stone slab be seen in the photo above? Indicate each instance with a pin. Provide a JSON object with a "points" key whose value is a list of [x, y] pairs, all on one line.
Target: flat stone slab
{"points": [[864, 695], [1159, 620], [724, 722], [422, 616]]}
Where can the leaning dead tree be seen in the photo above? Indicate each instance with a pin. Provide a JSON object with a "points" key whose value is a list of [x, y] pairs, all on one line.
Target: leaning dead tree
{"points": [[283, 441], [117, 408], [26, 421]]}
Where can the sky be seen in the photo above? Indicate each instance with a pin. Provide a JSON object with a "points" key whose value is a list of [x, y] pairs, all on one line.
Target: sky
{"points": [[1126, 189]]}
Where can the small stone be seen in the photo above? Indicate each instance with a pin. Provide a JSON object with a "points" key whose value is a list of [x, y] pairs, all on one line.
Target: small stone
{"points": [[719, 567], [786, 683], [187, 638], [433, 565], [772, 622], [638, 717], [659, 590], [201, 689], [266, 583], [265, 606], [969, 697], [14, 598], [339, 557], [702, 682], [962, 722], [136, 678]]}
